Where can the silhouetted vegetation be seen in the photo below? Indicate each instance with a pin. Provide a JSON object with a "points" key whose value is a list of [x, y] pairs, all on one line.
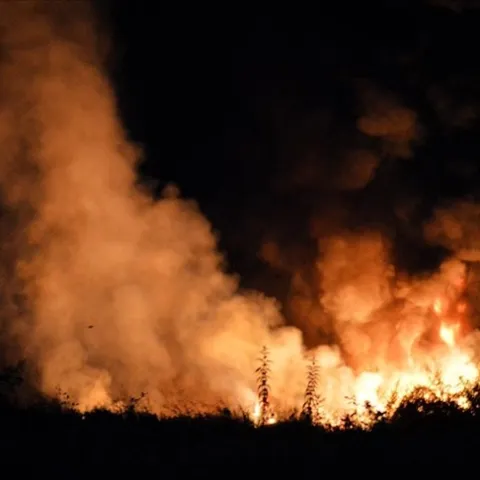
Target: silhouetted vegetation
{"points": [[311, 403], [432, 432], [263, 387]]}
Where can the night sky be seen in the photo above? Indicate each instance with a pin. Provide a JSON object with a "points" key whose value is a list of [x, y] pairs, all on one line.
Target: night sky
{"points": [[253, 114]]}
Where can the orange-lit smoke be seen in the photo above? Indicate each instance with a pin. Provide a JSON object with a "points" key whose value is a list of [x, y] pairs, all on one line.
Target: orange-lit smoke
{"points": [[125, 294]]}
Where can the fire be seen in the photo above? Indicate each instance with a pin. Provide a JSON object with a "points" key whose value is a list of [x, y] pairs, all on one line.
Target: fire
{"points": [[127, 294], [367, 390], [438, 306], [448, 334], [259, 417], [434, 373]]}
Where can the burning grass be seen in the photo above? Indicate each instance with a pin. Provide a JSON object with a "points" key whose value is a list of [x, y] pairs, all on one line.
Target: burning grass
{"points": [[436, 399], [420, 425], [115, 293], [411, 428]]}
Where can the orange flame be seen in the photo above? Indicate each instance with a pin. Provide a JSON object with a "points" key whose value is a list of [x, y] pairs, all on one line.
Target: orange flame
{"points": [[448, 334], [438, 306], [259, 418], [148, 273]]}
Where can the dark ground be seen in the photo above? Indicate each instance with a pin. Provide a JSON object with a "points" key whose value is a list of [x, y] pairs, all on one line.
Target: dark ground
{"points": [[218, 85], [52, 436]]}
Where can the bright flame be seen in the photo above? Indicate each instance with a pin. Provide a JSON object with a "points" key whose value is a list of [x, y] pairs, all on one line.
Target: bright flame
{"points": [[125, 294], [367, 390], [438, 306], [437, 372], [448, 334], [267, 418]]}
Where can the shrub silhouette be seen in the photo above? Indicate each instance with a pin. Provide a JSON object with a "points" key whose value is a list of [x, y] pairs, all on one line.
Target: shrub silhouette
{"points": [[263, 387], [200, 443], [311, 404]]}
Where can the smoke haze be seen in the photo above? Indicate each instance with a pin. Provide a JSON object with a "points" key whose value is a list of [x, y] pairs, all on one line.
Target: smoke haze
{"points": [[111, 293], [123, 294]]}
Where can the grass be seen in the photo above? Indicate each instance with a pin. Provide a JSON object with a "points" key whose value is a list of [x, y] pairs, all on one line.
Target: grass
{"points": [[419, 432], [51, 433]]}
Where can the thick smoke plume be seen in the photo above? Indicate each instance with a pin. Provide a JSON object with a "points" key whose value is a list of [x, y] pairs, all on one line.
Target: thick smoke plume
{"points": [[457, 228], [334, 187], [110, 293], [386, 119], [123, 295]]}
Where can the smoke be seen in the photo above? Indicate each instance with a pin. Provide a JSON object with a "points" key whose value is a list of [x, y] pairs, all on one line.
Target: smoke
{"points": [[109, 293], [456, 227], [339, 180], [386, 119], [122, 294], [355, 275]]}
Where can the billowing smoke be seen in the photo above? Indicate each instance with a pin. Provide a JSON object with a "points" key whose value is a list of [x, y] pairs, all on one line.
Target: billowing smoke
{"points": [[456, 227], [121, 294], [389, 121], [350, 235], [355, 275], [109, 293]]}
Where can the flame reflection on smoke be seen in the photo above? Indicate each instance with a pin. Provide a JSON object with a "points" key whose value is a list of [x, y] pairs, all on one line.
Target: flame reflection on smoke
{"points": [[95, 250]]}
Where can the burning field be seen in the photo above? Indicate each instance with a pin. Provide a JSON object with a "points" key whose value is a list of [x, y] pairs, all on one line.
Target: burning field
{"points": [[420, 343], [108, 293]]}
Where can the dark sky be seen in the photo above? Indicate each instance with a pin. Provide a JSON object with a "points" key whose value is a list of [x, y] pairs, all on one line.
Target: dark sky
{"points": [[254, 113]]}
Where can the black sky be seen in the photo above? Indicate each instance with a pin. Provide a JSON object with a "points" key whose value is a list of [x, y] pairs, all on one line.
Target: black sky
{"points": [[229, 103]]}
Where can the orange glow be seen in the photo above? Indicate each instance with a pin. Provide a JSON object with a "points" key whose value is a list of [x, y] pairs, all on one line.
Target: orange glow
{"points": [[438, 306], [448, 334], [127, 294], [269, 418]]}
